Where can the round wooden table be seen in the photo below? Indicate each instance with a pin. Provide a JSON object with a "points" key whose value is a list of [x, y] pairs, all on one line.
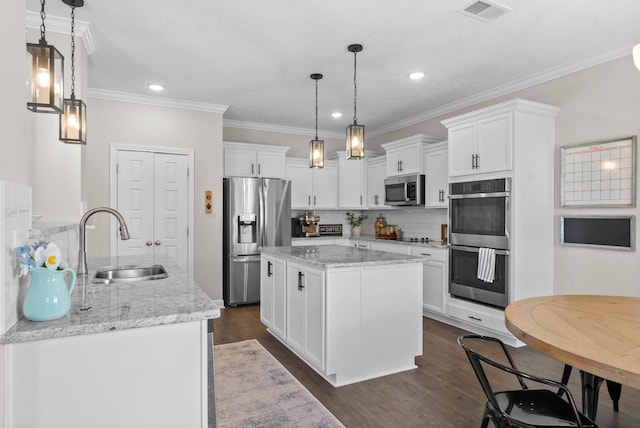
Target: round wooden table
{"points": [[599, 335]]}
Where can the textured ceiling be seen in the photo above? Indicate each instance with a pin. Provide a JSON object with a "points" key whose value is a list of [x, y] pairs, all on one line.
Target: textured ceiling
{"points": [[256, 56]]}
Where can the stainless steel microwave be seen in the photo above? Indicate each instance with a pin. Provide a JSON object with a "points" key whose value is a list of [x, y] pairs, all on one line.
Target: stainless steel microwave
{"points": [[404, 190]]}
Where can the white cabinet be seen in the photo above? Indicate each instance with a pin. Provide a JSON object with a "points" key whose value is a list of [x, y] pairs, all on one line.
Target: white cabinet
{"points": [[254, 160], [273, 295], [352, 183], [312, 188], [481, 145], [305, 313], [376, 173], [389, 247], [434, 279], [405, 156], [436, 176]]}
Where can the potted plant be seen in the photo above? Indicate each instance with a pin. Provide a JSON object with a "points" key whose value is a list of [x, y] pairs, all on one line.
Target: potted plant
{"points": [[355, 221]]}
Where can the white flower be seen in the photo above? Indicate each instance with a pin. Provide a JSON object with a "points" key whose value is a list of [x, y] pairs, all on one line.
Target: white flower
{"points": [[39, 256], [53, 256]]}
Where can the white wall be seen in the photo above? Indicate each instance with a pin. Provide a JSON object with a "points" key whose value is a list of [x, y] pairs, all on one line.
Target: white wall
{"points": [[143, 125]]}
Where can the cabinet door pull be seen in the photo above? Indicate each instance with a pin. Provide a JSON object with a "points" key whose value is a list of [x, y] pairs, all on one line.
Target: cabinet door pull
{"points": [[251, 169], [149, 243], [269, 266], [477, 161], [314, 200], [158, 242], [375, 199], [258, 169], [474, 318], [473, 161], [300, 281], [399, 165], [309, 203], [360, 199], [425, 254]]}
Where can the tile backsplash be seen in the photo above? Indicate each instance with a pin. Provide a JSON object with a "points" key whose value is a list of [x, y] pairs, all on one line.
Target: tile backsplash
{"points": [[15, 222], [16, 229], [415, 222]]}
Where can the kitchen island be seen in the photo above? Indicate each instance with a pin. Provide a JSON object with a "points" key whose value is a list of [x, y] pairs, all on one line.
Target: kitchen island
{"points": [[351, 314], [126, 355]]}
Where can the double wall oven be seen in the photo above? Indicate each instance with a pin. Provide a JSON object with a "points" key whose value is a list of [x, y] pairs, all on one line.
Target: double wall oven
{"points": [[479, 214]]}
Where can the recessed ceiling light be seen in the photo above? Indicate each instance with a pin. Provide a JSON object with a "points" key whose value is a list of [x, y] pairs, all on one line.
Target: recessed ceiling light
{"points": [[155, 87], [336, 114], [416, 75]]}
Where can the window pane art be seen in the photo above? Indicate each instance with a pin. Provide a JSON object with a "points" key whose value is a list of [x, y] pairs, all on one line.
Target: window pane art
{"points": [[600, 174]]}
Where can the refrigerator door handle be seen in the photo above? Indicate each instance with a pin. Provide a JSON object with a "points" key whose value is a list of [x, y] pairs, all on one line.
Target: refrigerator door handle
{"points": [[262, 197]]}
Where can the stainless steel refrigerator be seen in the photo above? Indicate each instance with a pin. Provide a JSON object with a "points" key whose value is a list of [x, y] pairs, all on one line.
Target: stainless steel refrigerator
{"points": [[257, 213]]}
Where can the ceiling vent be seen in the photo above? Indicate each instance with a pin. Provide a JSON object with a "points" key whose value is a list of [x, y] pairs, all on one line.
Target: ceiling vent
{"points": [[485, 10]]}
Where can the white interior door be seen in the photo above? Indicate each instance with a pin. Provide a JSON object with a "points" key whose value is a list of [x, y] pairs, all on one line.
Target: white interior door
{"points": [[152, 195], [170, 212], [135, 201]]}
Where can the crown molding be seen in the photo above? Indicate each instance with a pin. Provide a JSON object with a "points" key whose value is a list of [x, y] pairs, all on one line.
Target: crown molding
{"points": [[254, 126], [156, 101], [499, 91], [56, 24]]}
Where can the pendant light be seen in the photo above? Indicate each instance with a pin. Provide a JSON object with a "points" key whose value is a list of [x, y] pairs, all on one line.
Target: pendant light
{"points": [[45, 79], [316, 147], [355, 132], [636, 55], [73, 121]]}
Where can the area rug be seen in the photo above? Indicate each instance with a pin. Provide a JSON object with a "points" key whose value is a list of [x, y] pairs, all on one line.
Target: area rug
{"points": [[254, 390]]}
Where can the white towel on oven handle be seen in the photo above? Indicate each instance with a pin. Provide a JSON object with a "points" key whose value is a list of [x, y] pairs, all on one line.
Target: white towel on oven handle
{"points": [[486, 264]]}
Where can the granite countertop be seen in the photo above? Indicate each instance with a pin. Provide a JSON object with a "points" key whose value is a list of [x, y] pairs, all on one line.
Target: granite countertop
{"points": [[121, 306], [371, 238], [338, 256]]}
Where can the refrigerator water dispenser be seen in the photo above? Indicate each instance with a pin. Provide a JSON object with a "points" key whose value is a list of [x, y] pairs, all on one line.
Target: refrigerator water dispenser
{"points": [[247, 229]]}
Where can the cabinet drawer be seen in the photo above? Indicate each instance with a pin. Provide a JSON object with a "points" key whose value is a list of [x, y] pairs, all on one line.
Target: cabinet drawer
{"points": [[436, 254], [486, 317]]}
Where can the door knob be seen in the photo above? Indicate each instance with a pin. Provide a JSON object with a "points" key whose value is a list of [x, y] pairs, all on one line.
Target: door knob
{"points": [[157, 242], [149, 243]]}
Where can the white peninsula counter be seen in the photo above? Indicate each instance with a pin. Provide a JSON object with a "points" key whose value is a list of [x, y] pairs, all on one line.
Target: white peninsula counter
{"points": [[140, 356], [351, 314]]}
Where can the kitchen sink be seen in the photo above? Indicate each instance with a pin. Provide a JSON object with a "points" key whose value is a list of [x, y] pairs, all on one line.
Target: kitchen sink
{"points": [[130, 273]]}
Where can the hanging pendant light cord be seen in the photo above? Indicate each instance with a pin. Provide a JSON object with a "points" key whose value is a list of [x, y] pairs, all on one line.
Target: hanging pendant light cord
{"points": [[43, 16], [355, 88], [316, 109], [73, 53]]}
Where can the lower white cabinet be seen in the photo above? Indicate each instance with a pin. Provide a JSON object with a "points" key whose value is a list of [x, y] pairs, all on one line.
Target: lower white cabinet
{"points": [[389, 248], [273, 295], [305, 313], [484, 318], [434, 279]]}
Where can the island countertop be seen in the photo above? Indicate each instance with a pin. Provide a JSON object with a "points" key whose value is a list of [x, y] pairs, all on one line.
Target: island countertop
{"points": [[338, 256], [120, 306]]}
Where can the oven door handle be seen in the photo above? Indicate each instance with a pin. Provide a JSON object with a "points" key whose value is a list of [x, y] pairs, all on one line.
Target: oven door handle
{"points": [[477, 250], [480, 195]]}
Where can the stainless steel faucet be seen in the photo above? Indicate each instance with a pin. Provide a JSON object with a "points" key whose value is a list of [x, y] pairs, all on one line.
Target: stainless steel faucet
{"points": [[124, 234]]}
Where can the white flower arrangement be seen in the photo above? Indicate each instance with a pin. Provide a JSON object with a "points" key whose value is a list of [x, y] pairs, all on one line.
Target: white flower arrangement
{"points": [[40, 254]]}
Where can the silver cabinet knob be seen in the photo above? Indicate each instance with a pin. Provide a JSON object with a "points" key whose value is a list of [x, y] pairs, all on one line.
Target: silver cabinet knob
{"points": [[157, 242], [149, 243]]}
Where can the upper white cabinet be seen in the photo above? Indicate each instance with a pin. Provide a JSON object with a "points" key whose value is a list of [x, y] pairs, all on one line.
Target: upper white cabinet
{"points": [[312, 188], [436, 176], [405, 156], [481, 145], [352, 183], [376, 172], [254, 160]]}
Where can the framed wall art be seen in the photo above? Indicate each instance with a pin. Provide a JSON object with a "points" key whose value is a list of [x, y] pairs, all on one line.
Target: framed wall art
{"points": [[599, 174]]}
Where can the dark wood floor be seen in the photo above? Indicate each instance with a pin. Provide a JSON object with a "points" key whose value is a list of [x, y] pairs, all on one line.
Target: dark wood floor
{"points": [[442, 392]]}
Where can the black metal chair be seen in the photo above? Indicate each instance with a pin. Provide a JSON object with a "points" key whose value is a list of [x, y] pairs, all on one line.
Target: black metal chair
{"points": [[521, 407]]}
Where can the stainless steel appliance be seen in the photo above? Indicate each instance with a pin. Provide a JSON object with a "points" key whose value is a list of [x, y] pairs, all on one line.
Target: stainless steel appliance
{"points": [[479, 213], [256, 213], [464, 282], [309, 225], [404, 190]]}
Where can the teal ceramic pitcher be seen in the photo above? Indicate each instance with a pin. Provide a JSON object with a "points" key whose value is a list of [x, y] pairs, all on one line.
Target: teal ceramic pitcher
{"points": [[48, 294]]}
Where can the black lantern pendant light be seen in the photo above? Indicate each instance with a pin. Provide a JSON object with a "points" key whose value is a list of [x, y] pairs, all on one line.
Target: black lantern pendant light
{"points": [[355, 132], [73, 121], [316, 147], [45, 79]]}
